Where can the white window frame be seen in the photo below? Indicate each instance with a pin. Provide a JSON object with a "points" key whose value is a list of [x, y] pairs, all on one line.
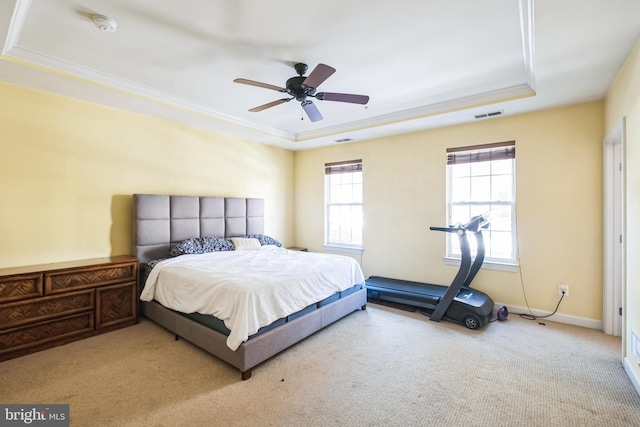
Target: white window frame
{"points": [[482, 153], [335, 170]]}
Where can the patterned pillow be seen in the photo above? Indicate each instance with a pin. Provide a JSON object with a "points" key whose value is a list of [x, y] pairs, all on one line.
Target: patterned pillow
{"points": [[147, 267], [189, 246], [216, 244], [265, 240], [201, 245]]}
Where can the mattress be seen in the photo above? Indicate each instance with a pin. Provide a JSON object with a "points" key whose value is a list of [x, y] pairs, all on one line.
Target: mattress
{"points": [[216, 324], [250, 289]]}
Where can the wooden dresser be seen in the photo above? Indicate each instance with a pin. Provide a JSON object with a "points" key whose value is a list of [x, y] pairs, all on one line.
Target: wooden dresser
{"points": [[52, 304]]}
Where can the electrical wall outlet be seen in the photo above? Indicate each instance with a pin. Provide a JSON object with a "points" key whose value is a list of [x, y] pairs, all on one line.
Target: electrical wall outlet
{"points": [[563, 287]]}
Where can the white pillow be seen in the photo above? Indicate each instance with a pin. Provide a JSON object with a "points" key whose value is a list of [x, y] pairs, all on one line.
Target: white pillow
{"points": [[242, 243]]}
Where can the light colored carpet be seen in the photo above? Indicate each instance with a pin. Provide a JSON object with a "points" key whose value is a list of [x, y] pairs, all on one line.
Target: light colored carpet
{"points": [[379, 367]]}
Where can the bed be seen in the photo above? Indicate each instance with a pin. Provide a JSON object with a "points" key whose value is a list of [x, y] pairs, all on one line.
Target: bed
{"points": [[164, 223]]}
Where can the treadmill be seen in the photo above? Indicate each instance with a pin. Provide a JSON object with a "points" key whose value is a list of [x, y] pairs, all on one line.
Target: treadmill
{"points": [[458, 302]]}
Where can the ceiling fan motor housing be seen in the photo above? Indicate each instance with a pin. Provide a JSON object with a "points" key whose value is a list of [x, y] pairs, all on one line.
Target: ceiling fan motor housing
{"points": [[296, 89]]}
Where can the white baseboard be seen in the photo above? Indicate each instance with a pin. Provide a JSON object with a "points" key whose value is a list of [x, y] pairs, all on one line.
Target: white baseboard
{"points": [[560, 318], [631, 374]]}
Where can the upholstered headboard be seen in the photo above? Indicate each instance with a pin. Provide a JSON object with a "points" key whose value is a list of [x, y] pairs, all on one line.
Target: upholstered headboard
{"points": [[161, 220]]}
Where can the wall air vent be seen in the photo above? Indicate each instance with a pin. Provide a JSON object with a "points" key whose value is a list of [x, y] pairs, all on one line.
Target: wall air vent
{"points": [[492, 114]]}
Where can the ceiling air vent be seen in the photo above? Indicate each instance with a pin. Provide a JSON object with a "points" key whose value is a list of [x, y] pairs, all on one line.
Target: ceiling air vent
{"points": [[492, 114]]}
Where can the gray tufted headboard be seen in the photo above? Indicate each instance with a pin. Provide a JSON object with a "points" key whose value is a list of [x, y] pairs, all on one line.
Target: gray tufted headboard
{"points": [[161, 220]]}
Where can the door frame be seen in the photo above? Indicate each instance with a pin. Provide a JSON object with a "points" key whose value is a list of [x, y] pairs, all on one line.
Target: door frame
{"points": [[614, 233]]}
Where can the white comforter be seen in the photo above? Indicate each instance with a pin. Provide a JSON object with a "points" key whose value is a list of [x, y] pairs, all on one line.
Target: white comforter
{"points": [[249, 289]]}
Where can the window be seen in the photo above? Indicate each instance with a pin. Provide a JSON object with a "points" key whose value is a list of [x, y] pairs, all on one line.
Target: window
{"points": [[482, 179], [343, 204]]}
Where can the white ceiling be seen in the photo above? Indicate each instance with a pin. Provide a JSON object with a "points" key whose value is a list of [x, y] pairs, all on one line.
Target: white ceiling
{"points": [[424, 63]]}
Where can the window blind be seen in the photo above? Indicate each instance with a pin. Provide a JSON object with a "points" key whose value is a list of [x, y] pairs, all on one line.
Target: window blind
{"points": [[481, 153], [343, 167]]}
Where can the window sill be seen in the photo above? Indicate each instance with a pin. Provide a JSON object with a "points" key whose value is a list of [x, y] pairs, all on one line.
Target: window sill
{"points": [[343, 249], [488, 265]]}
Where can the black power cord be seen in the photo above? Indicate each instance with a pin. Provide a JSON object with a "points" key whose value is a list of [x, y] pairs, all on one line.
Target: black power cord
{"points": [[524, 293], [533, 317]]}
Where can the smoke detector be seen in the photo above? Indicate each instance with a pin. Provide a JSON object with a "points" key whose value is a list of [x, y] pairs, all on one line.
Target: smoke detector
{"points": [[105, 23]]}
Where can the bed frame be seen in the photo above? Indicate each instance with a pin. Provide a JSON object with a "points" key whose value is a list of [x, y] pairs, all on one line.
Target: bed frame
{"points": [[163, 220]]}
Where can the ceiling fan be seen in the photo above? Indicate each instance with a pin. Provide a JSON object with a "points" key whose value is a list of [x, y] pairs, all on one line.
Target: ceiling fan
{"points": [[300, 88]]}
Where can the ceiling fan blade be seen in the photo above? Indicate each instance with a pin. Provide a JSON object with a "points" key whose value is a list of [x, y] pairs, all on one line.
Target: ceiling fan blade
{"points": [[342, 97], [259, 84], [312, 111], [319, 74], [270, 104]]}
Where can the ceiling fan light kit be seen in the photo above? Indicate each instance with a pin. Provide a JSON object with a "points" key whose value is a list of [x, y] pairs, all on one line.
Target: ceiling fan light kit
{"points": [[301, 87]]}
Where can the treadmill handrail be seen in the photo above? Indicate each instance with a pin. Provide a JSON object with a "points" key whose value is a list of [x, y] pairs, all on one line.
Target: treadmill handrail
{"points": [[474, 226], [456, 229], [479, 258], [476, 223], [458, 281]]}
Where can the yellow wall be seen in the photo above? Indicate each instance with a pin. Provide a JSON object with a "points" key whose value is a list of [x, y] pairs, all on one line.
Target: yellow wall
{"points": [[623, 100], [559, 205], [68, 170]]}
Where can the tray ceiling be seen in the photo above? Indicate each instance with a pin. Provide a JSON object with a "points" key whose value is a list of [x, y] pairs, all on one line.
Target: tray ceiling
{"points": [[423, 64]]}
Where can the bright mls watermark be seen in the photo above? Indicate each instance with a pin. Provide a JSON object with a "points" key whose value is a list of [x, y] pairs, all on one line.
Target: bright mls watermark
{"points": [[35, 415]]}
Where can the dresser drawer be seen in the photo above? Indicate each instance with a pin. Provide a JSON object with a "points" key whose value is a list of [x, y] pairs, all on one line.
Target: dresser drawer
{"points": [[91, 277], [14, 340], [116, 305], [19, 287], [22, 312]]}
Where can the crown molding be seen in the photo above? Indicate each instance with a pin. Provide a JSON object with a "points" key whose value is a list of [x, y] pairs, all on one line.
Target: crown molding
{"points": [[528, 43], [35, 59], [15, 53], [462, 103]]}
